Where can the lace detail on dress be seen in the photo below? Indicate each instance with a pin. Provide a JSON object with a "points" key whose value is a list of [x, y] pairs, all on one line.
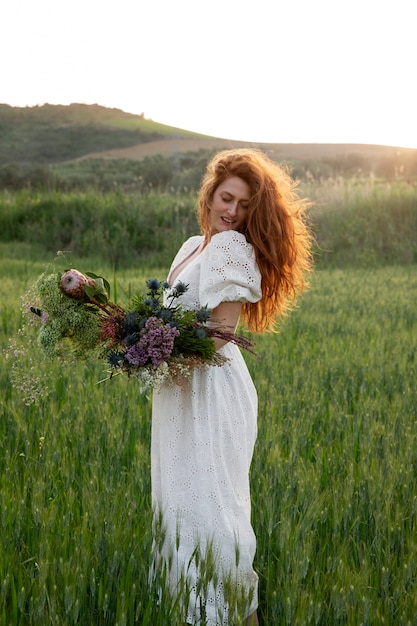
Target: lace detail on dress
{"points": [[230, 273], [202, 444]]}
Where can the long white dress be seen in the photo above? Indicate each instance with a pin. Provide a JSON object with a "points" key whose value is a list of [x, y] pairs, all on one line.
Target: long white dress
{"points": [[202, 445]]}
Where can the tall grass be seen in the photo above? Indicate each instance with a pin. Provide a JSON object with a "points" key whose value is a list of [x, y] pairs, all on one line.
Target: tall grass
{"points": [[364, 222], [360, 223], [120, 228], [337, 455], [333, 478]]}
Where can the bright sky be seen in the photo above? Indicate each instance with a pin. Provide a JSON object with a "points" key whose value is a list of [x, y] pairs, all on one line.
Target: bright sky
{"points": [[297, 71]]}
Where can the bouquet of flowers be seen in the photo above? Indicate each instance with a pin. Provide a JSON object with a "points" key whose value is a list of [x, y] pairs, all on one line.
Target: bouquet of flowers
{"points": [[155, 340]]}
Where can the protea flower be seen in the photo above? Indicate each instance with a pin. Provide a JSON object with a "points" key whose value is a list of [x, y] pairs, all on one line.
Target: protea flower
{"points": [[73, 282]]}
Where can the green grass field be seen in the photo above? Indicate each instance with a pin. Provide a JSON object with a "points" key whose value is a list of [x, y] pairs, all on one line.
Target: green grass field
{"points": [[333, 477], [334, 487]]}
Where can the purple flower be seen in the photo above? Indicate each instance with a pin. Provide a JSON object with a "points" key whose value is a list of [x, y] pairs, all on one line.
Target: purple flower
{"points": [[155, 344]]}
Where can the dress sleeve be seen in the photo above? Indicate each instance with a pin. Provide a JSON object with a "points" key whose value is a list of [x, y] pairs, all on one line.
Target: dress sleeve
{"points": [[229, 272]]}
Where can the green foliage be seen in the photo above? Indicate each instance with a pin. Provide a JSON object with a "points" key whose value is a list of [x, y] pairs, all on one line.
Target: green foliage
{"points": [[180, 172], [66, 318], [101, 290], [337, 454], [334, 484], [357, 222], [190, 341], [396, 164], [123, 229], [365, 223]]}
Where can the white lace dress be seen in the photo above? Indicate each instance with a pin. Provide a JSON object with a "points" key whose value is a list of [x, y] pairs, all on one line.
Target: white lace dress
{"points": [[202, 445]]}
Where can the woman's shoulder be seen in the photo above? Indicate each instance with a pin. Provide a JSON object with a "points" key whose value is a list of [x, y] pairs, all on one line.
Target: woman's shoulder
{"points": [[190, 244], [228, 235], [231, 249], [230, 272], [194, 239], [231, 240]]}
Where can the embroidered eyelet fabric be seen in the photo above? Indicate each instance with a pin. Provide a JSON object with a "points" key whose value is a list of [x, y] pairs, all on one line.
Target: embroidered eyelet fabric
{"points": [[202, 445]]}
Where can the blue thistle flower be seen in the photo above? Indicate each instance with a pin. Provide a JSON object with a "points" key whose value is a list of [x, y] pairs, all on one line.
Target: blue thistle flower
{"points": [[165, 315], [152, 303], [153, 284], [116, 359], [200, 333], [131, 322], [180, 288], [202, 315], [130, 340]]}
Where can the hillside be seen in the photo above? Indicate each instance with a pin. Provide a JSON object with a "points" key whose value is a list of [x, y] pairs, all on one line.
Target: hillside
{"points": [[56, 133], [177, 144], [84, 146]]}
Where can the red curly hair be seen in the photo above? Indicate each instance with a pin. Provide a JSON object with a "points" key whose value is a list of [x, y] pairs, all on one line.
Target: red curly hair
{"points": [[276, 226]]}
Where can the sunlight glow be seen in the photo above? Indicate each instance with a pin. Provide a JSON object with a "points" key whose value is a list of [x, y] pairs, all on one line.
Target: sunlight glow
{"points": [[300, 73]]}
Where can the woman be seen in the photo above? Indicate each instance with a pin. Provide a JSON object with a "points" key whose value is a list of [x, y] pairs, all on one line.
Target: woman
{"points": [[249, 262]]}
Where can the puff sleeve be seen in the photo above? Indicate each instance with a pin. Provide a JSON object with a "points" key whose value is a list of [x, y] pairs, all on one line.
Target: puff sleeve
{"points": [[229, 272]]}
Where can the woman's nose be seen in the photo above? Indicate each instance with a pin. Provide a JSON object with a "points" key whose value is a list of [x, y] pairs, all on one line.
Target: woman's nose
{"points": [[232, 208]]}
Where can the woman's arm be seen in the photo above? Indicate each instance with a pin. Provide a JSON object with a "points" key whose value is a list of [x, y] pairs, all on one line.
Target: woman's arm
{"points": [[226, 314]]}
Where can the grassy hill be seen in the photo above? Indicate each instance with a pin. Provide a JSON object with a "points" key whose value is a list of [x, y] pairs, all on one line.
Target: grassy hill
{"points": [[54, 133], [62, 147]]}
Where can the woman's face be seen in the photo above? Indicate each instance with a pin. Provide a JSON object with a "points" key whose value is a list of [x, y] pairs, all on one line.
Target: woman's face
{"points": [[229, 207]]}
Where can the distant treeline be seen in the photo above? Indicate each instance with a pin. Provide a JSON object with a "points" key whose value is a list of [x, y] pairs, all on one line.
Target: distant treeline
{"points": [[184, 172]]}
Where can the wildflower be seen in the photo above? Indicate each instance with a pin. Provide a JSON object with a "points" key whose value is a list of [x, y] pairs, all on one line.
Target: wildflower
{"points": [[155, 344], [130, 340], [156, 341], [203, 315], [166, 315], [200, 333], [153, 284], [131, 322], [73, 284], [111, 327], [180, 288], [116, 359]]}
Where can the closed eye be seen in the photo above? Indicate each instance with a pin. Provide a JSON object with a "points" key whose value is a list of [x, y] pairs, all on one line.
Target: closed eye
{"points": [[229, 199]]}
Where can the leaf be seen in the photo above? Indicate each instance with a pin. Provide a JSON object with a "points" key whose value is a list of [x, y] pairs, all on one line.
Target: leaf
{"points": [[100, 280], [90, 291], [101, 289], [101, 297]]}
